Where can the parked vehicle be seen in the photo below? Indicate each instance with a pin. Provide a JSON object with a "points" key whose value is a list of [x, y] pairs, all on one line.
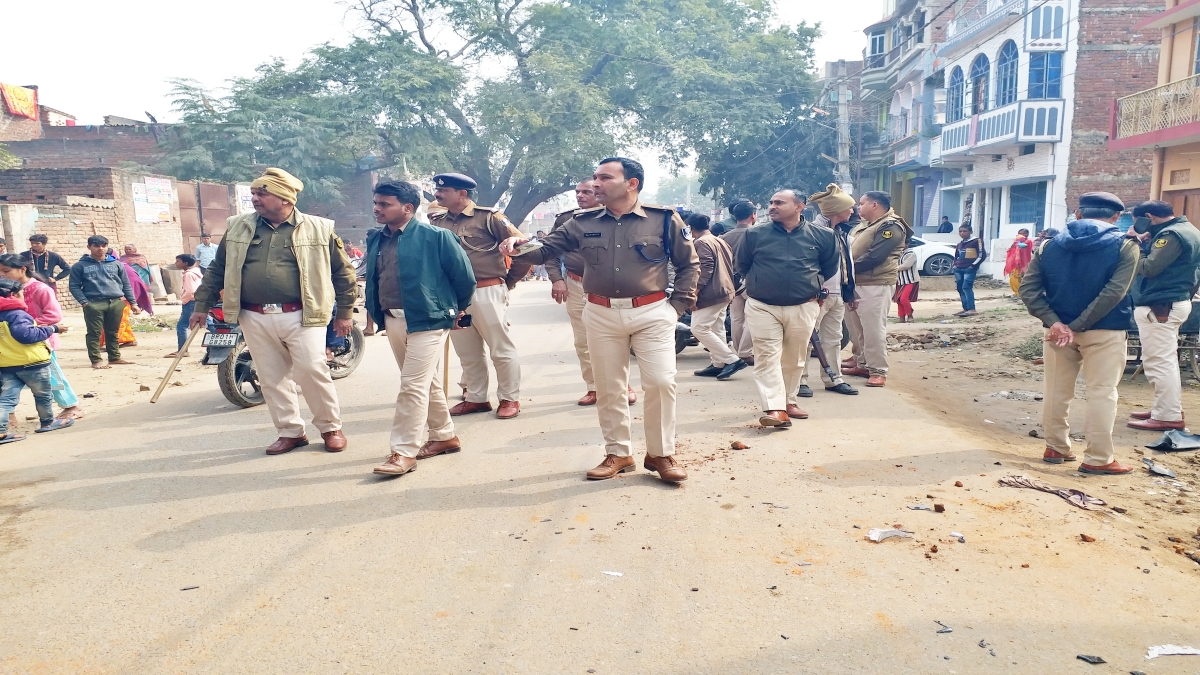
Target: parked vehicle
{"points": [[934, 258], [1189, 344], [225, 348]]}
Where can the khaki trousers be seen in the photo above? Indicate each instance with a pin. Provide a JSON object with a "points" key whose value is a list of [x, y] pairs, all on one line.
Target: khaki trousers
{"points": [[489, 328], [1160, 358], [739, 332], [781, 338], [576, 301], [708, 327], [868, 327], [286, 354], [1101, 355], [829, 330], [650, 332], [421, 404]]}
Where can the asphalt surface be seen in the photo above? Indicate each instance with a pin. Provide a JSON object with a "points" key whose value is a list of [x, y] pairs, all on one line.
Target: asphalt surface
{"points": [[503, 559]]}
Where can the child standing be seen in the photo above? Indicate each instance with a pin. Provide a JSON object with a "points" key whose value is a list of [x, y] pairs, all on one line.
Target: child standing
{"points": [[24, 362]]}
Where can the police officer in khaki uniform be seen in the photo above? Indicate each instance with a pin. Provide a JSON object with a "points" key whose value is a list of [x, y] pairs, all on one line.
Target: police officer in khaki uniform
{"points": [[569, 289], [626, 247], [480, 229], [282, 271]]}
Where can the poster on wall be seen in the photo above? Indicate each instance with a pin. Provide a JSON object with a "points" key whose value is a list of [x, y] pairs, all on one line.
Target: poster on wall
{"points": [[151, 212], [152, 200], [158, 190], [243, 199]]}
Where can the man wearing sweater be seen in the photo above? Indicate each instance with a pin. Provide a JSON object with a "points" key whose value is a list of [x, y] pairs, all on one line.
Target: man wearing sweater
{"points": [[714, 291], [99, 283]]}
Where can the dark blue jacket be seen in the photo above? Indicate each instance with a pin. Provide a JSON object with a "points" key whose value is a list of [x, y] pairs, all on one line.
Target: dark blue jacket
{"points": [[436, 281], [1075, 267]]}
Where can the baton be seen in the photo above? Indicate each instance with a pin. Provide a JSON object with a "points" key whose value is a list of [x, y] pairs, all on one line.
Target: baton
{"points": [[174, 364], [816, 343], [446, 368]]}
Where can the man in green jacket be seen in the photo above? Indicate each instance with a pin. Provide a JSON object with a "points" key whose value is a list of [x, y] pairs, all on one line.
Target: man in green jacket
{"points": [[1167, 276], [419, 282], [282, 272]]}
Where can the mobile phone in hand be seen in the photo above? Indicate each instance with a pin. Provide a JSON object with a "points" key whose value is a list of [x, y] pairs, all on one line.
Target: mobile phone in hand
{"points": [[464, 321]]}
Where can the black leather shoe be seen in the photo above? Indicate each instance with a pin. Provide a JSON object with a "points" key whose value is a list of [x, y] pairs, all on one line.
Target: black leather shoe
{"points": [[711, 371], [728, 371], [805, 391], [843, 388]]}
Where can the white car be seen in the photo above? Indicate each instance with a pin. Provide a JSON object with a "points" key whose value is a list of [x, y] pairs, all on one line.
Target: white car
{"points": [[934, 259]]}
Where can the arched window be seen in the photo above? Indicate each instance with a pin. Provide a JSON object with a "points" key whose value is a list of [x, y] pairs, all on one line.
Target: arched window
{"points": [[980, 70], [954, 96], [1006, 74]]}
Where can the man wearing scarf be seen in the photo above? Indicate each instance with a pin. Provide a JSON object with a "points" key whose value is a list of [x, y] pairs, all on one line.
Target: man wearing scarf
{"points": [[283, 272], [837, 213]]}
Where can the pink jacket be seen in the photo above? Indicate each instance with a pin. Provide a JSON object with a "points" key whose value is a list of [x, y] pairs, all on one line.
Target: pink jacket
{"points": [[43, 305]]}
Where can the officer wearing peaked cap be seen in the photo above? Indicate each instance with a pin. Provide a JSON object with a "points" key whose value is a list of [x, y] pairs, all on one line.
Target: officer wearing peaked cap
{"points": [[480, 229]]}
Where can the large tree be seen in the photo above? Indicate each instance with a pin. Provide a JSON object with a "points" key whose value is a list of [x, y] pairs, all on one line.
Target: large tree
{"points": [[523, 95]]}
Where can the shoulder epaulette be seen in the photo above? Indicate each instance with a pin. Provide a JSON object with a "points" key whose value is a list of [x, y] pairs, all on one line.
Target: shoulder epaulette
{"points": [[658, 207], [487, 208], [570, 212], [595, 209]]}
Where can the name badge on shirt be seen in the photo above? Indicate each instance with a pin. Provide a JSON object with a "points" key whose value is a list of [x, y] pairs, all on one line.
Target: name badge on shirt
{"points": [[589, 235]]}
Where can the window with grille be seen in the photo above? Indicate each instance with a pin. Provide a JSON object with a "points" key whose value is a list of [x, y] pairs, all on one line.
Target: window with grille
{"points": [[954, 96], [1027, 203], [1006, 74], [980, 70], [1045, 75]]}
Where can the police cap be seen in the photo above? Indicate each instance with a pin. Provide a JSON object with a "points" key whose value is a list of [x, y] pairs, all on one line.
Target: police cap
{"points": [[1101, 200], [456, 181]]}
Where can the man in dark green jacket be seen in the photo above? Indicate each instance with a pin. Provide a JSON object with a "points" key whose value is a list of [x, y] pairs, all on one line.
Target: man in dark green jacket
{"points": [[418, 281], [1167, 275]]}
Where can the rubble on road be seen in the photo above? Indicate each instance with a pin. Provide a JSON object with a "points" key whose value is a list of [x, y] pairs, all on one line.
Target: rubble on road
{"points": [[951, 337]]}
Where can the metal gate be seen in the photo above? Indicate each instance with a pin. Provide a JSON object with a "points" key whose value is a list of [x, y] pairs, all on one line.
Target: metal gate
{"points": [[203, 208]]}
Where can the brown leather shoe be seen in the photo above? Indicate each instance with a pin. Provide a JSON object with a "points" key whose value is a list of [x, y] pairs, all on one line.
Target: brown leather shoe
{"points": [[667, 468], [508, 409], [611, 466], [1110, 469], [848, 363], [794, 412], [876, 381], [775, 418], [335, 441], [630, 395], [1140, 415], [282, 445], [588, 399], [396, 465], [1155, 425], [856, 372], [435, 448], [466, 408], [1056, 457]]}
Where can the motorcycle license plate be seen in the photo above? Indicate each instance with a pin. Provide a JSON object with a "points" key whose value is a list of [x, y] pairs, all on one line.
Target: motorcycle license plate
{"points": [[219, 339]]}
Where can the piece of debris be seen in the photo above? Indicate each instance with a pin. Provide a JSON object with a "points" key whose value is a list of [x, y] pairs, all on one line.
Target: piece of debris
{"points": [[944, 628], [1091, 659], [545, 520], [176, 383], [1171, 650], [772, 588], [1024, 566], [738, 445], [987, 421], [1033, 433], [1087, 537], [804, 564], [143, 387], [1076, 497], [939, 508], [784, 637], [695, 589], [90, 394], [1119, 509], [958, 483], [192, 588], [933, 549], [877, 535], [1158, 470], [1174, 440], [921, 507], [983, 644], [614, 574], [961, 539], [572, 629]]}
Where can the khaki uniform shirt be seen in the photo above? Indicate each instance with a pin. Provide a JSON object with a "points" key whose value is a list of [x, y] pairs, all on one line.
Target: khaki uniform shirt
{"points": [[480, 229], [270, 273], [613, 267], [573, 261]]}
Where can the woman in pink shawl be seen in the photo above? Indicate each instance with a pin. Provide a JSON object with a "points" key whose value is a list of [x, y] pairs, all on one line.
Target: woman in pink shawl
{"points": [[1017, 259], [141, 293]]}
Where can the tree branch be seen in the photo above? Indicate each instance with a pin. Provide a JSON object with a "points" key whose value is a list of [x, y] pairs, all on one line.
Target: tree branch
{"points": [[597, 69], [414, 8]]}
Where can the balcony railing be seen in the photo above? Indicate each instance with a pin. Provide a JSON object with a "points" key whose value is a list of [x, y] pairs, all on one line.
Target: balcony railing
{"points": [[1030, 121], [979, 17], [1170, 105]]}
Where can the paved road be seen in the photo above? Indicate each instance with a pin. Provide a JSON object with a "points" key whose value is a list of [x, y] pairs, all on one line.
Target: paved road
{"points": [[494, 560]]}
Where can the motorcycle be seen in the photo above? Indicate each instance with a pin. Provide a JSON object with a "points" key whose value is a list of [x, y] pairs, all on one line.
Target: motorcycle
{"points": [[225, 348]]}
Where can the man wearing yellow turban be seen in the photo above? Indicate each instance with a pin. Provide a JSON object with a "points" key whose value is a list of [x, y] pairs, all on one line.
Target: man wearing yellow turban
{"points": [[282, 272]]}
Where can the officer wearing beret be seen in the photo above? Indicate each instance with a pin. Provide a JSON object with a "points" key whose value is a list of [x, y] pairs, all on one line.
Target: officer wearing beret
{"points": [[626, 247], [1078, 283], [1168, 274], [282, 272], [480, 229]]}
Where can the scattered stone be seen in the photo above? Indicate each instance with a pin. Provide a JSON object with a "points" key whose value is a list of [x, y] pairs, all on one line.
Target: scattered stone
{"points": [[958, 483], [1025, 566], [1087, 537], [933, 549], [176, 383], [1120, 509], [143, 387], [90, 394], [738, 445], [1034, 433], [939, 508]]}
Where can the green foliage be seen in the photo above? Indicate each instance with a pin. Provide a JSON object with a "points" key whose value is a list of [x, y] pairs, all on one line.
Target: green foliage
{"points": [[1029, 349], [8, 160], [524, 96]]}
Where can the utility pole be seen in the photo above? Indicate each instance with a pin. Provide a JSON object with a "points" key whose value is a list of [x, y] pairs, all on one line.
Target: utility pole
{"points": [[843, 130]]}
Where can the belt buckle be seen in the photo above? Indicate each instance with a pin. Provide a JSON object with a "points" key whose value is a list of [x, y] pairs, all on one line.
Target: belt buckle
{"points": [[272, 309], [620, 303]]}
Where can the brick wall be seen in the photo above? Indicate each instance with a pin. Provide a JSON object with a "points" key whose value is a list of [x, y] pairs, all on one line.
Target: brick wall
{"points": [[1113, 60], [68, 228], [88, 147], [13, 128]]}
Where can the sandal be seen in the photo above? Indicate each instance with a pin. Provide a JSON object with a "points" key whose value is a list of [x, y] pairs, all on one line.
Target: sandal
{"points": [[58, 423], [11, 438]]}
